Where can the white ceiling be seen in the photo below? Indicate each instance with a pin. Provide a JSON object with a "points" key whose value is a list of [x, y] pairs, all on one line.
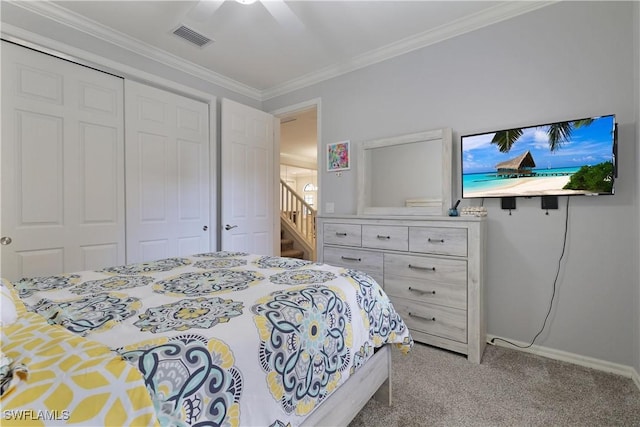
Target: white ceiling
{"points": [[272, 47]]}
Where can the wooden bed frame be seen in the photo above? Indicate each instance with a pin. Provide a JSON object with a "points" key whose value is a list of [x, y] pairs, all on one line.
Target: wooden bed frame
{"points": [[371, 380]]}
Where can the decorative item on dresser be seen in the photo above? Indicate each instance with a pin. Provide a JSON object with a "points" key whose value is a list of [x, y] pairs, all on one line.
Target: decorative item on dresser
{"points": [[432, 269]]}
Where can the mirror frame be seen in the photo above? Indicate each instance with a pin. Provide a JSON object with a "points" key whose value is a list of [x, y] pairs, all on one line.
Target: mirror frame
{"points": [[431, 207]]}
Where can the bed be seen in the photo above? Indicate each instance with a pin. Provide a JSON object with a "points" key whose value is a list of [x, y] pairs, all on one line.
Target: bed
{"points": [[222, 338]]}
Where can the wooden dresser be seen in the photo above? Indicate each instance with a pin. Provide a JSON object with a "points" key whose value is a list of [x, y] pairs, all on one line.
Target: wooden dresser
{"points": [[432, 269]]}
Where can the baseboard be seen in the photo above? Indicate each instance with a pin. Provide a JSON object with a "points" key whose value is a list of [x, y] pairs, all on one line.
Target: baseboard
{"points": [[576, 359]]}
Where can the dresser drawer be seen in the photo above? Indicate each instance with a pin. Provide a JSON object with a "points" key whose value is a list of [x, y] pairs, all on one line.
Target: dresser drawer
{"points": [[447, 294], [385, 237], [343, 234], [437, 240], [356, 259], [445, 322], [427, 269]]}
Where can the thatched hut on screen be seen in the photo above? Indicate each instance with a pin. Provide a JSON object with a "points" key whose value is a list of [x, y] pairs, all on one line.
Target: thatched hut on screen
{"points": [[520, 166]]}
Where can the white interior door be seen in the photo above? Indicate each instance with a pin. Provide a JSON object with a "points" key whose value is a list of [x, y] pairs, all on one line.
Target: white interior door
{"points": [[167, 169], [62, 166], [248, 180]]}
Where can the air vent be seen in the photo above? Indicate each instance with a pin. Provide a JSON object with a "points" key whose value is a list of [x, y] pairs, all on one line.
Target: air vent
{"points": [[192, 36]]}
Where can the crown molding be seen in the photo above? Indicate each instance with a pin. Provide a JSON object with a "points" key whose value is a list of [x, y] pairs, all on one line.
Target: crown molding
{"points": [[71, 19], [498, 13], [461, 26]]}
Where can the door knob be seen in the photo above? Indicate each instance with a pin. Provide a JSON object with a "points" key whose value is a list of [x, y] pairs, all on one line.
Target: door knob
{"points": [[5, 241], [229, 227]]}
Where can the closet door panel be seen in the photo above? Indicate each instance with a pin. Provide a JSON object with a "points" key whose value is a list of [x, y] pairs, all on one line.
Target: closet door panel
{"points": [[188, 186], [62, 165], [152, 170], [98, 99], [95, 257], [168, 174], [37, 84], [154, 249], [189, 245], [35, 263], [38, 166], [99, 189]]}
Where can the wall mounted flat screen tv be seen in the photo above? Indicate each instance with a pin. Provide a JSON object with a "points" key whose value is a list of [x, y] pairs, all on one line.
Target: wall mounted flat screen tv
{"points": [[575, 157]]}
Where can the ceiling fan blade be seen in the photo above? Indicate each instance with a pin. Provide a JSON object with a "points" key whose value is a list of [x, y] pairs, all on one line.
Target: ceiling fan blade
{"points": [[203, 10], [284, 15]]}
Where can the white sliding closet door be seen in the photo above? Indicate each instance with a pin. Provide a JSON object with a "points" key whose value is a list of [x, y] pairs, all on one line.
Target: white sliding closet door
{"points": [[62, 166], [167, 168]]}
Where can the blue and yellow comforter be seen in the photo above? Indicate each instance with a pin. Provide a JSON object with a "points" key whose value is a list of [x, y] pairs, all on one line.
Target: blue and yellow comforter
{"points": [[227, 338]]}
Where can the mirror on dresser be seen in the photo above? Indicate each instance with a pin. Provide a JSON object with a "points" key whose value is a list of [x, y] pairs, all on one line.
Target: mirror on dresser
{"points": [[405, 175]]}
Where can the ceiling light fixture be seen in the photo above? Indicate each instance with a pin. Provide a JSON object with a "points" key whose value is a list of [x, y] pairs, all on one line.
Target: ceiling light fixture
{"points": [[246, 2]]}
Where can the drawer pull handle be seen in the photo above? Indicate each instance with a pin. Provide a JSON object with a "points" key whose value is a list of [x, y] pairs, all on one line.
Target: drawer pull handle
{"points": [[341, 234], [348, 258], [383, 237], [430, 240], [417, 267], [428, 319], [421, 291]]}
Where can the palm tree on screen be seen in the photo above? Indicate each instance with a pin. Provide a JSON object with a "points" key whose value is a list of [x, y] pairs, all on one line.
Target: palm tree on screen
{"points": [[558, 134]]}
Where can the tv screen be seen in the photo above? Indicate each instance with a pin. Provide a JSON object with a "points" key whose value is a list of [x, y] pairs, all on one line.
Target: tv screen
{"points": [[555, 159]]}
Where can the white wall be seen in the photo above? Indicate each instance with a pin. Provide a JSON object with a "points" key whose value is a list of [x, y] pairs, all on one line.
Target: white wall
{"points": [[564, 61]]}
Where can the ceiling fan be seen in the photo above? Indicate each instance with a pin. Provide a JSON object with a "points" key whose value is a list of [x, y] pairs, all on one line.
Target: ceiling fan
{"points": [[280, 11]]}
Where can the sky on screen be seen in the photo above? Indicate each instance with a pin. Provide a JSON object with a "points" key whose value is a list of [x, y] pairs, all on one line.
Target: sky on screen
{"points": [[589, 145]]}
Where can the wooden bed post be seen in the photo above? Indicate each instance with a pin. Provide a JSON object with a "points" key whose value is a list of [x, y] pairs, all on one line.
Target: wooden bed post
{"points": [[385, 392], [373, 379]]}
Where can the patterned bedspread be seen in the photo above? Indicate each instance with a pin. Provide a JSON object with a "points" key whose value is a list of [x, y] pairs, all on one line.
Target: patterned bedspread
{"points": [[227, 338]]}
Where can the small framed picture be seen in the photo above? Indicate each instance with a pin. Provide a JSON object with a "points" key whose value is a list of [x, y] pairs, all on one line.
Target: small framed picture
{"points": [[338, 156]]}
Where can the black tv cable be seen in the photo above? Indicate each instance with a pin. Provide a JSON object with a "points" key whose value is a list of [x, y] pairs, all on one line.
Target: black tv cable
{"points": [[555, 285]]}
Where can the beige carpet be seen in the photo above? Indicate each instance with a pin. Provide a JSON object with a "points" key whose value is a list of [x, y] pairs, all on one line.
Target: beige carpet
{"points": [[433, 387]]}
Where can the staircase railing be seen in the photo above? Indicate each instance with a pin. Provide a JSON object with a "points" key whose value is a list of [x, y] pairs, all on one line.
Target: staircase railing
{"points": [[298, 214]]}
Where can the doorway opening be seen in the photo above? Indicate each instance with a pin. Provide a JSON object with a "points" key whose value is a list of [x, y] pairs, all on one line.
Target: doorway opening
{"points": [[298, 192]]}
